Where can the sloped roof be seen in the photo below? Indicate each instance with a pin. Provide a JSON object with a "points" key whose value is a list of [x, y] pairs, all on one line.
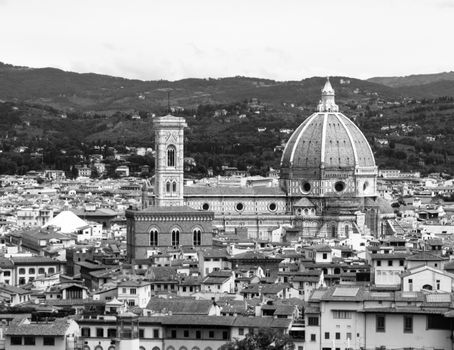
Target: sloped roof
{"points": [[180, 306], [55, 328]]}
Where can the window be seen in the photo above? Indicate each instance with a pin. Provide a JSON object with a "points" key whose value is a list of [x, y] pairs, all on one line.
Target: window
{"points": [[313, 338], [197, 237], [132, 291], [338, 335], [111, 333], [99, 332], [31, 271], [225, 335], [239, 206], [325, 256], [131, 302], [437, 322], [272, 207], [141, 333], [211, 334], [21, 271], [41, 271], [168, 186], [241, 331], [390, 263], [171, 156], [154, 238], [123, 290], [401, 263], [408, 324], [342, 314], [378, 262], [198, 334], [349, 336], [85, 332], [51, 270], [175, 237], [186, 333], [155, 333], [173, 334], [16, 340], [438, 284], [326, 335], [205, 206], [29, 340], [6, 273], [312, 321], [174, 186], [380, 323], [339, 186]]}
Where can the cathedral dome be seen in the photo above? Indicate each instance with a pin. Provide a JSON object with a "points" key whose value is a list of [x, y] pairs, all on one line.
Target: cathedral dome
{"points": [[327, 145]]}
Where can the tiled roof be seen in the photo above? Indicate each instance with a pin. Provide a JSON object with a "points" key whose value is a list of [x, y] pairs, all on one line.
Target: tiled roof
{"points": [[12, 289], [425, 256], [55, 328], [33, 260], [180, 306]]}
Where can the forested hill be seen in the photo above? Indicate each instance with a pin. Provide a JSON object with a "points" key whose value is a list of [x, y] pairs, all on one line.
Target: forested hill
{"points": [[70, 91], [413, 80]]}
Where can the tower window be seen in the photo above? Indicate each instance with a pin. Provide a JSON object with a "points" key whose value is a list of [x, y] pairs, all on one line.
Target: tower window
{"points": [[175, 237], [171, 155], [174, 186], [154, 238], [197, 237], [168, 187]]}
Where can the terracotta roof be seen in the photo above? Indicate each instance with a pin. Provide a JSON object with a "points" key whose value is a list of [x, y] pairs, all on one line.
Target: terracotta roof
{"points": [[180, 306], [55, 328]]}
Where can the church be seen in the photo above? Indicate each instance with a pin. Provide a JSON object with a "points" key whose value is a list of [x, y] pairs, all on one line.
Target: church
{"points": [[327, 188]]}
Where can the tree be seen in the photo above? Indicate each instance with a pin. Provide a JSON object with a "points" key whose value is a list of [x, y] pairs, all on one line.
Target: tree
{"points": [[264, 339]]}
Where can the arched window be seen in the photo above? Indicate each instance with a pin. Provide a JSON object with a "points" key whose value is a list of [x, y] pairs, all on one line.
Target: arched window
{"points": [[333, 231], [51, 270], [171, 155], [427, 287], [346, 230], [31, 271], [41, 271], [174, 186], [197, 237], [153, 237], [168, 187], [175, 237]]}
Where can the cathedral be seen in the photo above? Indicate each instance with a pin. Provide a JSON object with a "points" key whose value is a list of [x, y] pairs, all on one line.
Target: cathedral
{"points": [[327, 188]]}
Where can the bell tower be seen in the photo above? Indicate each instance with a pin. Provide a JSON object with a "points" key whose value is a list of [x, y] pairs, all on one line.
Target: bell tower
{"points": [[169, 161]]}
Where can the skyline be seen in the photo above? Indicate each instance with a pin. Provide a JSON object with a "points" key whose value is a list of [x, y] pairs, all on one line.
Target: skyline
{"points": [[172, 40]]}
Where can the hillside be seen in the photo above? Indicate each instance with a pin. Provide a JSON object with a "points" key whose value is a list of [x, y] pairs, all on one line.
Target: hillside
{"points": [[413, 80], [91, 92]]}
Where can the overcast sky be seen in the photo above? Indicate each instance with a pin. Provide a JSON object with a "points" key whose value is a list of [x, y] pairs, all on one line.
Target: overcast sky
{"points": [[278, 39]]}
